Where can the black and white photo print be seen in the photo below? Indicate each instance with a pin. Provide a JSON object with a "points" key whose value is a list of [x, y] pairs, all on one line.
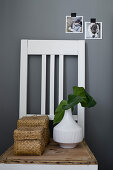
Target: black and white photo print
{"points": [[74, 24], [93, 30]]}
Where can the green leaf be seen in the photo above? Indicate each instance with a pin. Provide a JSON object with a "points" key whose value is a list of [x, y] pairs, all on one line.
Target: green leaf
{"points": [[79, 96], [72, 109], [59, 112], [80, 91], [91, 102], [72, 101]]}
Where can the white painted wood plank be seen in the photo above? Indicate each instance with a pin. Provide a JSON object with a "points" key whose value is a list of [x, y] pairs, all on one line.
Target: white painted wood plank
{"points": [[75, 117], [68, 47], [61, 73], [52, 76], [51, 117], [23, 79], [43, 85], [81, 80], [46, 167]]}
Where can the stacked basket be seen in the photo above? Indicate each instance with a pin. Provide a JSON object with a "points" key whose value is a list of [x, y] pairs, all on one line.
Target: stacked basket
{"points": [[32, 135]]}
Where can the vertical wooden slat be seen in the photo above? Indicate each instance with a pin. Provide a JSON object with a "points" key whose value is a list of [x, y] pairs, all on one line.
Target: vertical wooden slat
{"points": [[81, 80], [23, 79], [61, 73], [43, 85], [52, 73]]}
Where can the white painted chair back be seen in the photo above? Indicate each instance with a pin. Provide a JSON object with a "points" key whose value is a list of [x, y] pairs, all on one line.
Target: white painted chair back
{"points": [[52, 48]]}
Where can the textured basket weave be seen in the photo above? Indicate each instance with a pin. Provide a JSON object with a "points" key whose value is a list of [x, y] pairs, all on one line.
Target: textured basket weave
{"points": [[46, 135], [36, 121], [33, 121], [29, 147], [25, 133]]}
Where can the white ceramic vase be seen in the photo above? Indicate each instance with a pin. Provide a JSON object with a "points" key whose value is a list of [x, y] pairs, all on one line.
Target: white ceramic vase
{"points": [[67, 133]]}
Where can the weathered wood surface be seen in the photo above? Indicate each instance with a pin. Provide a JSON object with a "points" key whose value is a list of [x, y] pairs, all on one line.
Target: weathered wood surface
{"points": [[53, 154]]}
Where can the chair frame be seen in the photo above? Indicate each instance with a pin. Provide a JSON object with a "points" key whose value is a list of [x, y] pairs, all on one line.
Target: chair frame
{"points": [[52, 48]]}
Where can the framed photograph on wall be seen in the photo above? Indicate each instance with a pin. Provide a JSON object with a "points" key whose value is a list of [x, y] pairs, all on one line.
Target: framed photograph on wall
{"points": [[93, 30], [74, 24]]}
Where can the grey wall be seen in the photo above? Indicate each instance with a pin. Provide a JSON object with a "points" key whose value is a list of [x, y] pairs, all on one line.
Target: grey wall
{"points": [[45, 19]]}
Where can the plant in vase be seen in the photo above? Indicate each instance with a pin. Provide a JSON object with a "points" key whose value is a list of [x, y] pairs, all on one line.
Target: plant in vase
{"points": [[67, 132]]}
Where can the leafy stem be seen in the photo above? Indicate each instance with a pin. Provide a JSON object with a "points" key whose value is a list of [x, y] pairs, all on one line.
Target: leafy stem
{"points": [[79, 96]]}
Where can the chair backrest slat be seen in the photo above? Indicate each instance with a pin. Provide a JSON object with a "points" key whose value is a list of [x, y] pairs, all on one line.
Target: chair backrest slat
{"points": [[61, 75], [52, 48], [43, 86], [81, 81], [23, 79], [52, 76]]}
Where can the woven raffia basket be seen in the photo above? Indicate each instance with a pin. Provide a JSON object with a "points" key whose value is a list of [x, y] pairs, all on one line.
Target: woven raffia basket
{"points": [[29, 147], [29, 141], [33, 121], [24, 133], [36, 121]]}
